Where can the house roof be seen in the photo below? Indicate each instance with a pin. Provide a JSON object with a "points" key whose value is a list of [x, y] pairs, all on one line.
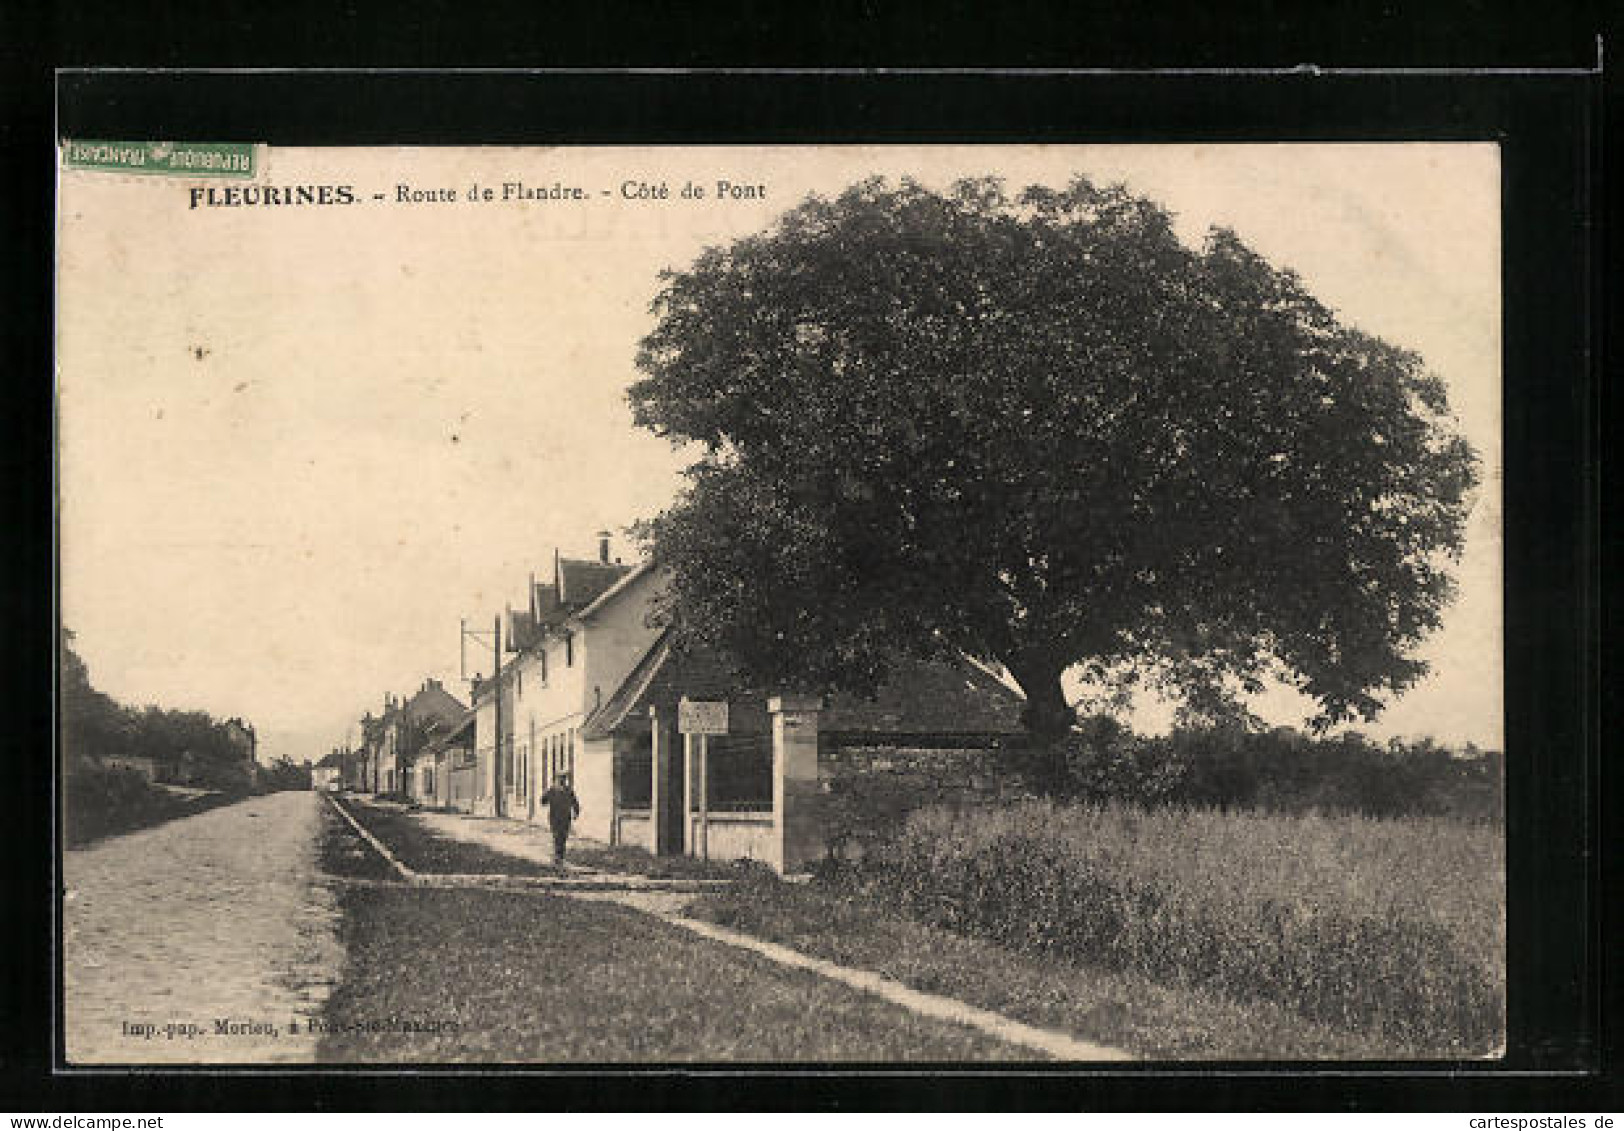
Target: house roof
{"points": [[523, 630], [931, 697], [435, 703], [623, 583], [580, 588], [663, 676], [454, 730], [581, 582], [922, 697], [546, 608]]}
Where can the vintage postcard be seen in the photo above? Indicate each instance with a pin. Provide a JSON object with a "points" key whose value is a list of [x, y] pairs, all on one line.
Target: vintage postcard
{"points": [[780, 604]]}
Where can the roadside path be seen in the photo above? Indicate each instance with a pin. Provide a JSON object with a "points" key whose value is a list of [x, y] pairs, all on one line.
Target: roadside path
{"points": [[573, 879], [219, 918], [532, 842], [517, 839]]}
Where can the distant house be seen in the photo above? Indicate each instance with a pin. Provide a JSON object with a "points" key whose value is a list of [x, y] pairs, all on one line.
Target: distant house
{"points": [[244, 741], [362, 770], [146, 767], [326, 774], [447, 773], [404, 732]]}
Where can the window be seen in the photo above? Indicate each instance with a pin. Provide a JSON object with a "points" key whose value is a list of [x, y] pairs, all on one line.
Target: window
{"points": [[518, 680], [739, 772], [634, 772], [542, 653], [569, 649]]}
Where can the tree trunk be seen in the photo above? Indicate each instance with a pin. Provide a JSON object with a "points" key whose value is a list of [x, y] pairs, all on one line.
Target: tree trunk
{"points": [[1047, 716]]}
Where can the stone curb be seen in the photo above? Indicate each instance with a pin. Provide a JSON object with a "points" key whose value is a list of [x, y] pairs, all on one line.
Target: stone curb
{"points": [[607, 881]]}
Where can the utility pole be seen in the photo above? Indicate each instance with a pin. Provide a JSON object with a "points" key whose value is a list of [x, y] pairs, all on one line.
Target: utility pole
{"points": [[496, 753], [497, 806]]}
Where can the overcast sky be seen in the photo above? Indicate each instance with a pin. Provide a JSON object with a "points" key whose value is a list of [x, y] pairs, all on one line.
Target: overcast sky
{"points": [[298, 443]]}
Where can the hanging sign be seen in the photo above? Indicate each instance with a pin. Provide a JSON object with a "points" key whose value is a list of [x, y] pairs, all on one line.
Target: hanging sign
{"points": [[702, 716]]}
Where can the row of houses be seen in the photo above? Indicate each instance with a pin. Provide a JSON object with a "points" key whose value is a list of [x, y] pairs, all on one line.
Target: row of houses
{"points": [[592, 688], [402, 748]]}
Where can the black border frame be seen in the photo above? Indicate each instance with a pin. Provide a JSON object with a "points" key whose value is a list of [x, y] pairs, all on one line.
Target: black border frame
{"points": [[1548, 125]]}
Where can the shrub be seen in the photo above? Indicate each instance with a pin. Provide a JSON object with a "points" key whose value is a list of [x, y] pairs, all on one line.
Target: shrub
{"points": [[1280, 770], [1396, 926], [100, 801], [283, 774]]}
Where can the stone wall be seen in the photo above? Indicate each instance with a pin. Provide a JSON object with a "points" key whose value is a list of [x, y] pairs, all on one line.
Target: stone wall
{"points": [[869, 789]]}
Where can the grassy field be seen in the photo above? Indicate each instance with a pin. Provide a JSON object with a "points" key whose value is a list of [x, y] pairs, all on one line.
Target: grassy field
{"points": [[462, 976], [1153, 1018], [1389, 927]]}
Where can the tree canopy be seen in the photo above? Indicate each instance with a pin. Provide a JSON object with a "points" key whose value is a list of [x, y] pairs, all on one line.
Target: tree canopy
{"points": [[96, 727], [1040, 430]]}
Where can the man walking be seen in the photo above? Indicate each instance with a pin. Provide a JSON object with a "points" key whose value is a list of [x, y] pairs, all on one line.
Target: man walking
{"points": [[562, 808]]}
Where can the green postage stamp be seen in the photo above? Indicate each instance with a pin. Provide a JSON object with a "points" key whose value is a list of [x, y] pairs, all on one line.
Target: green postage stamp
{"points": [[175, 158]]}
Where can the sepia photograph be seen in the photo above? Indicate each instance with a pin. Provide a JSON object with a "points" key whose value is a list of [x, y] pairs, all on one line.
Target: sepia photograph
{"points": [[780, 604]]}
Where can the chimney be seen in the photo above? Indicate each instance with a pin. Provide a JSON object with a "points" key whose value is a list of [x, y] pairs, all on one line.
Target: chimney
{"points": [[603, 546]]}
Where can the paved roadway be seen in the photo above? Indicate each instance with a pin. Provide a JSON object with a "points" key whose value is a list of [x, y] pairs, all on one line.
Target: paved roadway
{"points": [[213, 940], [205, 940]]}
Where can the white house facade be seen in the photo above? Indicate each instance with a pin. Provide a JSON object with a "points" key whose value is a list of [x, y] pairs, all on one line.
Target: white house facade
{"points": [[582, 635]]}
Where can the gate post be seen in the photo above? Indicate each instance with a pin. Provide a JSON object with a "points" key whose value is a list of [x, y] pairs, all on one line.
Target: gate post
{"points": [[658, 787], [690, 794], [797, 819]]}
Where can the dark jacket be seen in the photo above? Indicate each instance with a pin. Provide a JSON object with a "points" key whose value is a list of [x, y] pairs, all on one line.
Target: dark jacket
{"points": [[562, 805]]}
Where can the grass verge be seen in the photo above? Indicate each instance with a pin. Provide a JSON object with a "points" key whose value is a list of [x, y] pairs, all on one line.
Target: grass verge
{"points": [[97, 812], [341, 853], [460, 976], [639, 862]]}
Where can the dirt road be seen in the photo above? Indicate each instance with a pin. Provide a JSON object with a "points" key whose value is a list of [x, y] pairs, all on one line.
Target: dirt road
{"points": [[207, 940]]}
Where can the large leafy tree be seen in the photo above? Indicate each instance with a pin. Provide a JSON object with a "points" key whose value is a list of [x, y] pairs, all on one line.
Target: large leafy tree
{"points": [[95, 727], [1040, 430], [93, 724]]}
